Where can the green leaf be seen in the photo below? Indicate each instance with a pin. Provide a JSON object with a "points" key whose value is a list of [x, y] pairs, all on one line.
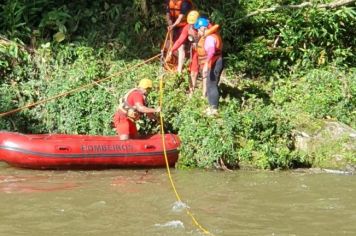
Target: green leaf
{"points": [[59, 37]]}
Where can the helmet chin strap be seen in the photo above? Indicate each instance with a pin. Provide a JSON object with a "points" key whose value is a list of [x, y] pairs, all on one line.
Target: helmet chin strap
{"points": [[201, 31]]}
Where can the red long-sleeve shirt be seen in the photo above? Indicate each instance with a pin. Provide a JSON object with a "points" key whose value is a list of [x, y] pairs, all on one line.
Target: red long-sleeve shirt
{"points": [[182, 38]]}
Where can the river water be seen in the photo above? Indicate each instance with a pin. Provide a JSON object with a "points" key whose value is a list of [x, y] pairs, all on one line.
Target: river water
{"points": [[142, 202]]}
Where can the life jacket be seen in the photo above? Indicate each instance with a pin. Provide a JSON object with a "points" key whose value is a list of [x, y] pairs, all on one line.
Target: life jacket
{"points": [[175, 7], [212, 28], [202, 55], [193, 36], [125, 108]]}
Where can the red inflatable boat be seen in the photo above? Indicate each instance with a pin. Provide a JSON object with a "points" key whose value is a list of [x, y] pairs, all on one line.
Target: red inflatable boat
{"points": [[58, 151]]}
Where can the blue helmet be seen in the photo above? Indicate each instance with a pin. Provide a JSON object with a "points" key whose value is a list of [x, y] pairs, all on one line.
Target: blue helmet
{"points": [[201, 22]]}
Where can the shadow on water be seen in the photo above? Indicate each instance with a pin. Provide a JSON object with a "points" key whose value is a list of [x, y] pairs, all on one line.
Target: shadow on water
{"points": [[32, 184], [29, 181], [17, 180]]}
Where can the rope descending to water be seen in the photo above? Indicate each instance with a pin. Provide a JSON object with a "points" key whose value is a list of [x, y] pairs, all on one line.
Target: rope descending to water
{"points": [[161, 89], [97, 82]]}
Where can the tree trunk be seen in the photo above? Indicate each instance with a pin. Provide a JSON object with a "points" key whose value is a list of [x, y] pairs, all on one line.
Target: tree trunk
{"points": [[144, 7]]}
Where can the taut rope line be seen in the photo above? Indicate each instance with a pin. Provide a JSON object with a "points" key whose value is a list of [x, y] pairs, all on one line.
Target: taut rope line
{"points": [[96, 82], [77, 89]]}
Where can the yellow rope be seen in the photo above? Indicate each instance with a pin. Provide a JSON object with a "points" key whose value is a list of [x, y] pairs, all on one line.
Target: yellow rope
{"points": [[77, 89], [167, 164], [165, 154], [161, 120]]}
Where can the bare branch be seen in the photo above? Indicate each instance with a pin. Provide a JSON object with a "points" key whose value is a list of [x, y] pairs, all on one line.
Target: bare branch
{"points": [[7, 42], [334, 4], [337, 3]]}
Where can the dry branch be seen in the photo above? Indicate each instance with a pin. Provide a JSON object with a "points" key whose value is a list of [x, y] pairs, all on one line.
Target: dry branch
{"points": [[4, 42], [334, 4]]}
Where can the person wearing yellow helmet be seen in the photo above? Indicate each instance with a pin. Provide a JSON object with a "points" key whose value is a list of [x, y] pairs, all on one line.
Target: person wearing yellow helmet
{"points": [[192, 17], [131, 108], [190, 34], [145, 84]]}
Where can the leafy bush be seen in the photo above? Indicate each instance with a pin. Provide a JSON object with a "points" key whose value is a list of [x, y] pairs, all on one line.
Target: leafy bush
{"points": [[323, 93], [286, 40], [289, 66]]}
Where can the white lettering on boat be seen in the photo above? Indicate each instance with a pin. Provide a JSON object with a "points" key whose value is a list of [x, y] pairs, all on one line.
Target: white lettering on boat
{"points": [[106, 148]]}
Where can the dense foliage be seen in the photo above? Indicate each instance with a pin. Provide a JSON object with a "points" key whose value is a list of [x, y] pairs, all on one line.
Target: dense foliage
{"points": [[285, 68]]}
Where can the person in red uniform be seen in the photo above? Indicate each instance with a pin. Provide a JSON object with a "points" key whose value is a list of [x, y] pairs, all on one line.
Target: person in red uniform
{"points": [[190, 34], [176, 12], [131, 108]]}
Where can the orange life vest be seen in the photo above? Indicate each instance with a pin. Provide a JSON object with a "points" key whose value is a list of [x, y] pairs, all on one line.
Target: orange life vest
{"points": [[202, 55], [175, 7]]}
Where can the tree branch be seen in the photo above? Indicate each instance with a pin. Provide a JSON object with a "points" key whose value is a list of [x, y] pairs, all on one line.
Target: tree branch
{"points": [[334, 4], [6, 42]]}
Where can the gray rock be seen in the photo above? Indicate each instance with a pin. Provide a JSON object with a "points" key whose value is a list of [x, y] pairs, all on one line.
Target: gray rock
{"points": [[332, 146]]}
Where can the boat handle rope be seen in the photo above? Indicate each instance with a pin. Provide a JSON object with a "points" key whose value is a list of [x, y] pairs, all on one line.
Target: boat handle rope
{"points": [[161, 92]]}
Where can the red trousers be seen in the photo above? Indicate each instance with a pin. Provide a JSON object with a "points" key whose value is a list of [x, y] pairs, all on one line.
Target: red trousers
{"points": [[124, 125]]}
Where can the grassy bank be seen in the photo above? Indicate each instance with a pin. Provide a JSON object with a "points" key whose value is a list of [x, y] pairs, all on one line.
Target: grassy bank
{"points": [[282, 73]]}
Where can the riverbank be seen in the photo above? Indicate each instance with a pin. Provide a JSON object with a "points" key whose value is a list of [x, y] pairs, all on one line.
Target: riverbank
{"points": [[282, 79]]}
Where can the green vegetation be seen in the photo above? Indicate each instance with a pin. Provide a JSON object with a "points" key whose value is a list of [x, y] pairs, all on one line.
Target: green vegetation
{"points": [[285, 69]]}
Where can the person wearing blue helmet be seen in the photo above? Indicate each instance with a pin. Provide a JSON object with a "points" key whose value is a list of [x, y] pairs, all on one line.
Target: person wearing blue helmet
{"points": [[202, 21], [189, 36], [209, 51]]}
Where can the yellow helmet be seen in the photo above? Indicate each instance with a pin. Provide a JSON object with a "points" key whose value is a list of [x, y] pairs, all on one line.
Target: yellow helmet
{"points": [[145, 83], [192, 17]]}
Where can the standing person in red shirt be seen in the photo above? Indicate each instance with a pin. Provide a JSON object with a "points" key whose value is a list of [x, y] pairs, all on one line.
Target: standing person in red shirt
{"points": [[176, 13], [190, 34], [131, 108]]}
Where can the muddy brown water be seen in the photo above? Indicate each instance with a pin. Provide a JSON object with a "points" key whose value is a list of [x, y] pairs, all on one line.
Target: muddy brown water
{"points": [[141, 202]]}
